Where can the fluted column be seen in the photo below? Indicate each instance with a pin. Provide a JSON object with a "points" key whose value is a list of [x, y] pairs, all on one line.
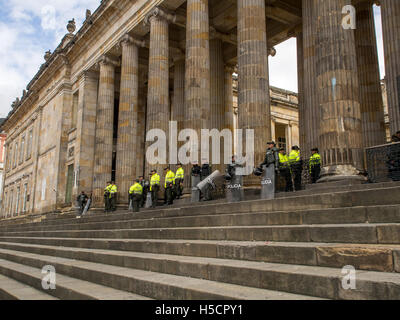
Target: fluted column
{"points": [[228, 109], [128, 117], [309, 116], [390, 11], [338, 91], [104, 128], [158, 113], [372, 114], [141, 127], [300, 77], [253, 95], [217, 84], [197, 79], [178, 105]]}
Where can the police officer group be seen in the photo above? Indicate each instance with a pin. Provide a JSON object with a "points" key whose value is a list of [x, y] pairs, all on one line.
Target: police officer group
{"points": [[139, 191], [290, 167]]}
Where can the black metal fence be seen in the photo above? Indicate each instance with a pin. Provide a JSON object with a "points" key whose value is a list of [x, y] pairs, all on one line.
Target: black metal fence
{"points": [[383, 163]]}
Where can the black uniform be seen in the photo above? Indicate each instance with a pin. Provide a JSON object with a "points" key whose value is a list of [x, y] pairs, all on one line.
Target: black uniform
{"points": [[82, 201], [271, 157], [146, 188]]}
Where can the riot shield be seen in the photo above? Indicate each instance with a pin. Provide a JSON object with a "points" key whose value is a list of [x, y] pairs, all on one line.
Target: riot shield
{"points": [[149, 201], [268, 182], [234, 189], [195, 190], [87, 207]]}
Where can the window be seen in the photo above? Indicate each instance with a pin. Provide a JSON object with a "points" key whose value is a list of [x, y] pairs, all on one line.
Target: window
{"points": [[74, 115], [9, 157], [10, 203], [25, 197], [21, 153], [15, 155], [29, 146], [17, 201], [5, 204]]}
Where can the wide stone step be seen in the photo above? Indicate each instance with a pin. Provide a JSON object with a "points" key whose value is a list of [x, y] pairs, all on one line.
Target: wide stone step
{"points": [[145, 283], [67, 288], [304, 280], [375, 214], [338, 233], [384, 258], [374, 197], [14, 290]]}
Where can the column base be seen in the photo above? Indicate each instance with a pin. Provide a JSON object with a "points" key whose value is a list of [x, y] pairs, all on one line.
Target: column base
{"points": [[341, 173]]}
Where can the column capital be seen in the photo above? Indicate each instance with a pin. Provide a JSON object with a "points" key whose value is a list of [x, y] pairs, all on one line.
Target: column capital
{"points": [[88, 74], [128, 39], [159, 13], [107, 60]]}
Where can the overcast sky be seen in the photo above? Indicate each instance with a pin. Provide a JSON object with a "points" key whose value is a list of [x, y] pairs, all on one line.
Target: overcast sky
{"points": [[29, 28]]}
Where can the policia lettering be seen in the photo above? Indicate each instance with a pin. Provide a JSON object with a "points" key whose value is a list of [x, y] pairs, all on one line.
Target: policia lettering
{"points": [[135, 195], [154, 187], [110, 197]]}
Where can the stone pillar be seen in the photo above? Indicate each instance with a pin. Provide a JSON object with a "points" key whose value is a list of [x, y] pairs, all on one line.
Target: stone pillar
{"points": [[178, 106], [309, 115], [141, 131], [229, 112], [104, 129], [338, 91], [86, 131], [158, 112], [128, 117], [253, 95], [390, 11], [217, 97], [197, 79], [302, 112], [372, 114]]}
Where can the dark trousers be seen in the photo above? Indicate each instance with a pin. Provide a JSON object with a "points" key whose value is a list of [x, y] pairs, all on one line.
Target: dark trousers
{"points": [[297, 171], [315, 173], [107, 203], [178, 188], [287, 175], [136, 200], [113, 203], [143, 199], [169, 196], [154, 195]]}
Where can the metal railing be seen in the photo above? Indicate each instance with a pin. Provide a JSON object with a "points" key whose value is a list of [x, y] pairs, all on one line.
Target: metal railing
{"points": [[383, 163]]}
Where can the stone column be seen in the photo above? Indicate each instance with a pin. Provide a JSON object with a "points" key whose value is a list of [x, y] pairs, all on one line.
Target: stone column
{"points": [[197, 79], [86, 130], [338, 91], [141, 131], [104, 128], [158, 113], [178, 106], [217, 97], [302, 113], [372, 114], [128, 117], [253, 95], [309, 115], [229, 116], [390, 10]]}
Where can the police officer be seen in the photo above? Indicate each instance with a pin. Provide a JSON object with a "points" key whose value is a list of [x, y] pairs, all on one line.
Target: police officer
{"points": [[296, 166], [169, 186], [107, 197], [146, 188], [135, 195], [315, 165], [113, 196], [179, 179], [284, 169], [154, 187], [82, 201], [271, 156]]}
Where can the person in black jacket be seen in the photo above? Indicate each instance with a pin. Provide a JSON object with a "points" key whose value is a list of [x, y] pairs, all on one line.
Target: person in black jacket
{"points": [[82, 201]]}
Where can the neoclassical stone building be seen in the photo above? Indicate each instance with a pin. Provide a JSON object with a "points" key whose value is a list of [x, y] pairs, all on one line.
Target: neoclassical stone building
{"points": [[135, 64]]}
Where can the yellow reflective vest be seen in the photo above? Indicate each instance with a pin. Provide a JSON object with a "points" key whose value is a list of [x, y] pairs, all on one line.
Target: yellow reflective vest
{"points": [[169, 178], [155, 180], [294, 157], [136, 189], [180, 174], [283, 160], [112, 189], [315, 160]]}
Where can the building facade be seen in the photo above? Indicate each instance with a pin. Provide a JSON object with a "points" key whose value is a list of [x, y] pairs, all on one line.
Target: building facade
{"points": [[135, 65]]}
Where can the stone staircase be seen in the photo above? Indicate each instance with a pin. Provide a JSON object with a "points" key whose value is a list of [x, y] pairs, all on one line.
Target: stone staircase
{"points": [[293, 247]]}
